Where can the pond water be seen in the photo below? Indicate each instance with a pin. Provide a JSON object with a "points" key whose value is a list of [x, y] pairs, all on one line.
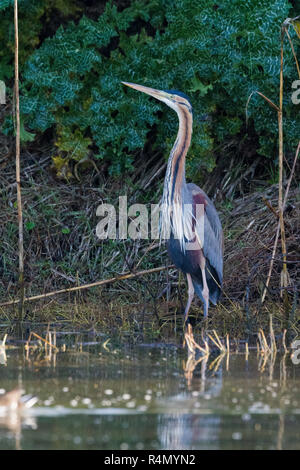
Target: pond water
{"points": [[93, 394]]}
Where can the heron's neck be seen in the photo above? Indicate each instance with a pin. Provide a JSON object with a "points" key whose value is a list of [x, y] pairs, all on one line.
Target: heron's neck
{"points": [[175, 175], [172, 218]]}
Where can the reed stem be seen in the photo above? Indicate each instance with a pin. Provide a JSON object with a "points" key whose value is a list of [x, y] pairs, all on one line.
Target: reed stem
{"points": [[18, 165]]}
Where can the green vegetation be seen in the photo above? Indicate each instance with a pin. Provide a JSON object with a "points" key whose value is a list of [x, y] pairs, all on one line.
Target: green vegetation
{"points": [[217, 52]]}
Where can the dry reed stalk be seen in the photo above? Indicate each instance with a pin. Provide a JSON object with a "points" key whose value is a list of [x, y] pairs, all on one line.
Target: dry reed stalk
{"points": [[4, 340], [278, 226], [104, 345], [263, 359], [285, 281], [48, 338], [216, 341], [227, 343], [273, 105], [227, 360], [272, 336], [87, 286], [188, 341], [264, 348], [54, 338], [293, 50], [265, 342], [191, 343], [282, 376], [40, 338], [272, 365], [18, 165], [216, 362], [283, 341]]}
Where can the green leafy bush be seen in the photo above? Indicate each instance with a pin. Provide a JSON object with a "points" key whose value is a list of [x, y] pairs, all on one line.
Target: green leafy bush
{"points": [[216, 52], [35, 16]]}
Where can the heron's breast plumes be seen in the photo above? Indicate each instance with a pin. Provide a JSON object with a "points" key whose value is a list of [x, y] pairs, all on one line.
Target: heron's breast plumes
{"points": [[176, 208]]}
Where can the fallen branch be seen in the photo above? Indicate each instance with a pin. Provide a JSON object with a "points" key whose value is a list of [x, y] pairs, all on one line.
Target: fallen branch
{"points": [[87, 286]]}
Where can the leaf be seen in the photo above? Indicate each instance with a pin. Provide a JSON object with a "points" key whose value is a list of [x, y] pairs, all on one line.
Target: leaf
{"points": [[59, 162], [296, 25], [25, 136], [73, 142], [30, 225], [197, 85]]}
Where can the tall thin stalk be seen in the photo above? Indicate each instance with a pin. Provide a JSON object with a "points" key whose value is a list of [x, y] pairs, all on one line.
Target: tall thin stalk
{"points": [[285, 281], [18, 177], [284, 273]]}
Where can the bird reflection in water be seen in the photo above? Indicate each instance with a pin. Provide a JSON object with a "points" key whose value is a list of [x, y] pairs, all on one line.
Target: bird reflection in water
{"points": [[14, 406], [178, 430]]}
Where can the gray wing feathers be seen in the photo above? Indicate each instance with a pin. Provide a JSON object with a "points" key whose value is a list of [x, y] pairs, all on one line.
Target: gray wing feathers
{"points": [[213, 240], [213, 233]]}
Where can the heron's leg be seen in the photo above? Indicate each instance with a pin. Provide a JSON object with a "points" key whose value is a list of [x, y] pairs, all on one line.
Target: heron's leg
{"points": [[191, 292], [205, 290]]}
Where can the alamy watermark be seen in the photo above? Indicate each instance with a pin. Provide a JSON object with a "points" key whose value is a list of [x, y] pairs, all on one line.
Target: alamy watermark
{"points": [[2, 92], [140, 221], [296, 93], [295, 356]]}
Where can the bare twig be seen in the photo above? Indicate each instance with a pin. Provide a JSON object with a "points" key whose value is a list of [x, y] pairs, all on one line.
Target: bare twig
{"points": [[273, 105], [293, 50]]}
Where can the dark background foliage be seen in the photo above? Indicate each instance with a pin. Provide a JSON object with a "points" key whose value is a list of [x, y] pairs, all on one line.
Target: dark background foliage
{"points": [[74, 55]]}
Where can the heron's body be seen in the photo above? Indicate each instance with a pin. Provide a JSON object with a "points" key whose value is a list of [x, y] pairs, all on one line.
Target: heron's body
{"points": [[191, 261], [190, 222]]}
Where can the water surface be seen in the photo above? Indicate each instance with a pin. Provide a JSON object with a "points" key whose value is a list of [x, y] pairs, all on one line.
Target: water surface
{"points": [[98, 395]]}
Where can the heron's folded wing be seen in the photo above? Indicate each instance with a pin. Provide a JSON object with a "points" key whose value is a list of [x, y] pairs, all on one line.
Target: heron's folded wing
{"points": [[212, 231]]}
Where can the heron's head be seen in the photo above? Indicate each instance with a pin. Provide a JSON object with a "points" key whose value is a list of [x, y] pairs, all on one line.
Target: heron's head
{"points": [[174, 99]]}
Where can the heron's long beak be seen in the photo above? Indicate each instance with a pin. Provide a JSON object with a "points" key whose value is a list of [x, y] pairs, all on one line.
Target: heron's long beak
{"points": [[158, 94]]}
